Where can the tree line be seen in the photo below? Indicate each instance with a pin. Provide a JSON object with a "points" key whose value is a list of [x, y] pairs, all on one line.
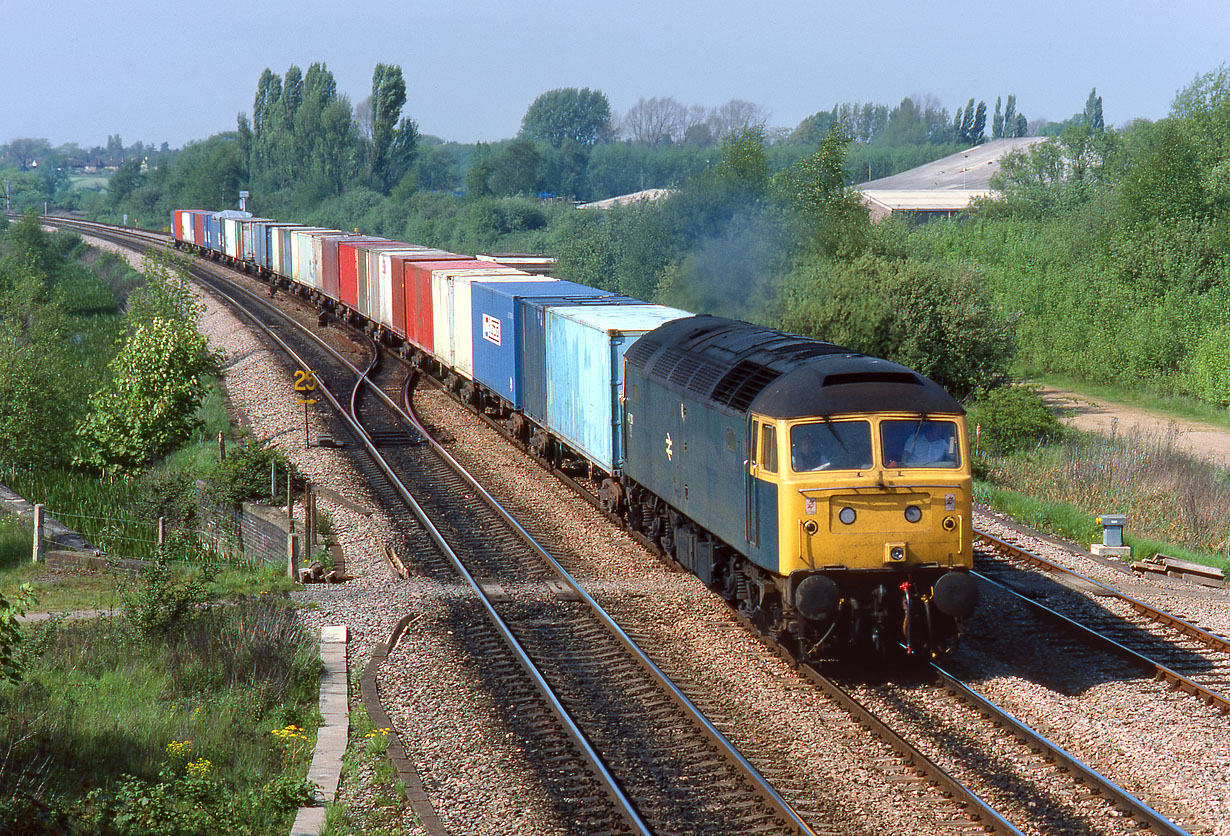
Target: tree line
{"points": [[763, 226]]}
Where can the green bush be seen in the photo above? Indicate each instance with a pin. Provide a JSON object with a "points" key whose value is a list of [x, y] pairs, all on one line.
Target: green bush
{"points": [[1012, 417], [159, 600], [244, 474], [935, 317], [1206, 373]]}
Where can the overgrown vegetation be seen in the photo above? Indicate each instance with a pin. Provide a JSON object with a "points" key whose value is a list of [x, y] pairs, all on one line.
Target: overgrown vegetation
{"points": [[190, 712]]}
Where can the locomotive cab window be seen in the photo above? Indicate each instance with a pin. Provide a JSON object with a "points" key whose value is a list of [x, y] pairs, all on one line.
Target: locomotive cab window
{"points": [[920, 442], [768, 448], [830, 445]]}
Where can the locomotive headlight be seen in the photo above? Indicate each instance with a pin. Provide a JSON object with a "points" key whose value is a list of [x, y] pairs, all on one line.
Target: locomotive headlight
{"points": [[913, 513], [896, 553], [847, 515], [950, 523]]}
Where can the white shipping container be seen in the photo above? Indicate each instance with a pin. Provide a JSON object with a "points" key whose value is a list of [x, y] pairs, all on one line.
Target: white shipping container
{"points": [[231, 236], [384, 280], [301, 253], [452, 315]]}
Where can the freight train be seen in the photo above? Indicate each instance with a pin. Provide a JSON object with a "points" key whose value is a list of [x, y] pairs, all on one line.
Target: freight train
{"points": [[825, 493]]}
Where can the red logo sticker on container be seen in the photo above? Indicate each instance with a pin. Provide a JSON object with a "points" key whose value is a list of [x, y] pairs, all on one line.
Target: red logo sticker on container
{"points": [[491, 329]]}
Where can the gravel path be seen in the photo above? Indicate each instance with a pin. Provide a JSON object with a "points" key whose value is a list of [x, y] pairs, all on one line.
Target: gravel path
{"points": [[1100, 416]]}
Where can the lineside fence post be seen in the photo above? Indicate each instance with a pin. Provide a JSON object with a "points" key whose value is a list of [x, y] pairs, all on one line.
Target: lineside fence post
{"points": [[162, 532], [292, 556], [38, 534]]}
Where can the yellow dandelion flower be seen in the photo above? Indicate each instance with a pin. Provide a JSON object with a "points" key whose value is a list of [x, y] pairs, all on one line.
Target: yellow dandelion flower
{"points": [[199, 768]]}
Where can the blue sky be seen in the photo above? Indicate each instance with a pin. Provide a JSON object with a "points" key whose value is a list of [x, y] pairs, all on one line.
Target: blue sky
{"points": [[175, 72]]}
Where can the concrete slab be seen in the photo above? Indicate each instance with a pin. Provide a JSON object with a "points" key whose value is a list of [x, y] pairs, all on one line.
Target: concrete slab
{"points": [[333, 735]]}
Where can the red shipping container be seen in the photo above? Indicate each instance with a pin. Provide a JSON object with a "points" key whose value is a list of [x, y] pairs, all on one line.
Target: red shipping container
{"points": [[419, 313], [177, 224], [330, 262], [404, 305], [347, 272], [198, 228]]}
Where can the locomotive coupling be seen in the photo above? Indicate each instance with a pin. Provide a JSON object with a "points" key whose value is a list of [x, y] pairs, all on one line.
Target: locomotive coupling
{"points": [[955, 594]]}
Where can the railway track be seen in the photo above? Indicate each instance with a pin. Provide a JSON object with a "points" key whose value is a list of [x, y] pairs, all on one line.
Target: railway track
{"points": [[524, 590], [625, 749], [1168, 647]]}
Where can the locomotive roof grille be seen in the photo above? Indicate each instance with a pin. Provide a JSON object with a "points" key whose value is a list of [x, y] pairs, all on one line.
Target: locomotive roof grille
{"points": [[743, 383], [735, 365], [641, 351]]}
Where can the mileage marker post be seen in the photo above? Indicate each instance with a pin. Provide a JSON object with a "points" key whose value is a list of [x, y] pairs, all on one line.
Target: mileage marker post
{"points": [[305, 381]]}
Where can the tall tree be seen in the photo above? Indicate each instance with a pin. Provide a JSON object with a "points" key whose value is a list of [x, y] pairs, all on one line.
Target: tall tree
{"points": [[966, 133], [655, 121], [403, 151], [335, 145], [1010, 117], [582, 115], [1093, 112], [980, 124], [997, 121], [26, 150], [388, 96], [265, 108]]}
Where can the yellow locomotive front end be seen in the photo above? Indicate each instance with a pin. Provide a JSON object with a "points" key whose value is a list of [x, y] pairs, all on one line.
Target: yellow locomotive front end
{"points": [[875, 529]]}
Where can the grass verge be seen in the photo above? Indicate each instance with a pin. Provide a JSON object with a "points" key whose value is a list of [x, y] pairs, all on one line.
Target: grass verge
{"points": [[201, 726], [1174, 504]]}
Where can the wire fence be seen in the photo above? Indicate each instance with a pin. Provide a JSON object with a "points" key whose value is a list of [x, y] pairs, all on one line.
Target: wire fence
{"points": [[141, 540]]}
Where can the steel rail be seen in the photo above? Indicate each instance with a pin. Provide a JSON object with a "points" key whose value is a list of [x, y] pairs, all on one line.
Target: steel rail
{"points": [[1160, 671], [1148, 610], [980, 809], [1128, 801]]}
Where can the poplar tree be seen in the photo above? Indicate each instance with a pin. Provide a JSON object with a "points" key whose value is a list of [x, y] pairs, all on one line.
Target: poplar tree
{"points": [[980, 124], [997, 122], [966, 131], [388, 96], [1010, 116], [1093, 112]]}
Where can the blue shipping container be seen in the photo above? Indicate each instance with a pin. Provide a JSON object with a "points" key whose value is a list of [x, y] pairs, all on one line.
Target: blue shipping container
{"points": [[499, 312], [213, 233], [585, 373]]}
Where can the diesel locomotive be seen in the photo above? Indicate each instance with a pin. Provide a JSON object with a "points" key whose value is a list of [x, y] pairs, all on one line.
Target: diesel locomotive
{"points": [[825, 493]]}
